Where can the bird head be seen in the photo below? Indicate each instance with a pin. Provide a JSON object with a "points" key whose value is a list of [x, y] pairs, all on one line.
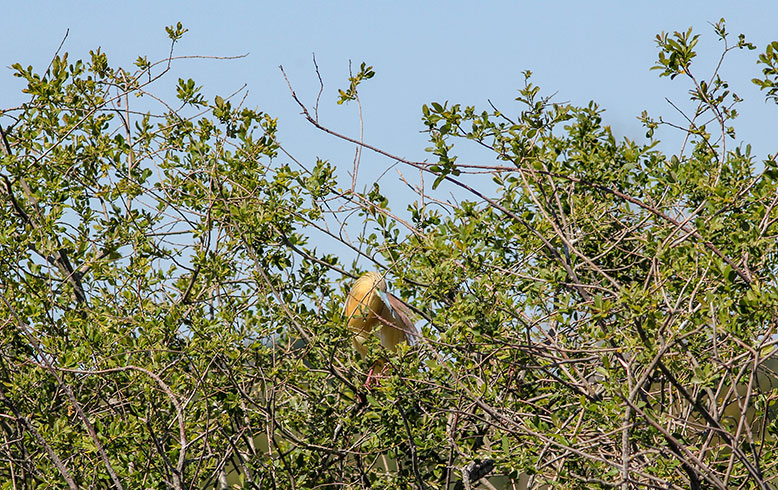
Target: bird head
{"points": [[379, 283]]}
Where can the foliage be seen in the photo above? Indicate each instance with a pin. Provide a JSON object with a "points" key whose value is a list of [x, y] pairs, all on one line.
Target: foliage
{"points": [[601, 314]]}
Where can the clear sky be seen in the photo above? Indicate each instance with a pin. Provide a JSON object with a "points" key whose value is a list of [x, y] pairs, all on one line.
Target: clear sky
{"points": [[422, 51]]}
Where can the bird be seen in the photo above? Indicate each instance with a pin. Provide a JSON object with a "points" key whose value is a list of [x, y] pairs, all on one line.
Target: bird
{"points": [[371, 309]]}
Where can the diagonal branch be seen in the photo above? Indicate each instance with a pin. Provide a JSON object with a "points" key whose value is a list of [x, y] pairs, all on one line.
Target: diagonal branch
{"points": [[63, 471]]}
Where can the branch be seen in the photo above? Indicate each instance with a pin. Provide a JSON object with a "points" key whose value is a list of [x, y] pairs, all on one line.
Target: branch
{"points": [[54, 458]]}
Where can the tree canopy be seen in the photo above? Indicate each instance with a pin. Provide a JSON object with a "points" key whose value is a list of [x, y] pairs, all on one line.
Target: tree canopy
{"points": [[596, 312]]}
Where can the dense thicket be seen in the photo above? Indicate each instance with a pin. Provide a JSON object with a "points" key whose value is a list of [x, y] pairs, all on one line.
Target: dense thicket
{"points": [[600, 314]]}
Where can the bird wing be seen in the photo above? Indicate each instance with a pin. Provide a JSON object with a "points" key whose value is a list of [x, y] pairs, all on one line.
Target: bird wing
{"points": [[396, 323]]}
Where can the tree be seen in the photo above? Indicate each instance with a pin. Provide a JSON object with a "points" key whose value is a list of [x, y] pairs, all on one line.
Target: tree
{"points": [[602, 314]]}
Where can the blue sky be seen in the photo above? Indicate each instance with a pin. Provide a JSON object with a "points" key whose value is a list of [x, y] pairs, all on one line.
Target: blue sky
{"points": [[464, 52]]}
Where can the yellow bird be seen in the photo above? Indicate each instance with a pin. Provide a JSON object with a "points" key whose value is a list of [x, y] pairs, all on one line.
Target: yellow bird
{"points": [[370, 308]]}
